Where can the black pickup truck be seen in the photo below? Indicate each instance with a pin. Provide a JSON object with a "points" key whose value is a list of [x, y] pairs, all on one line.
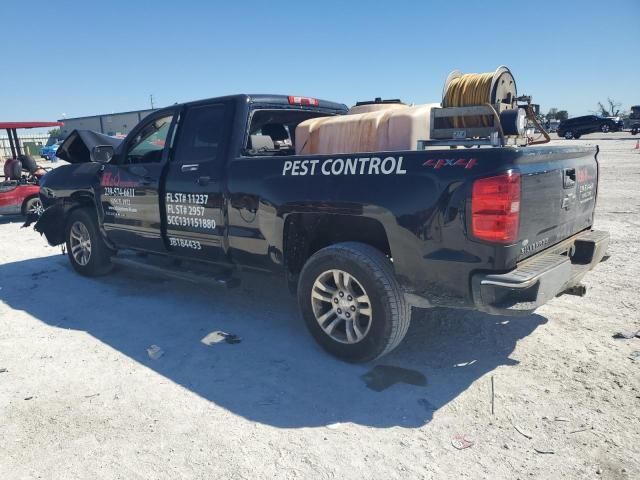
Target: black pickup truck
{"points": [[204, 189]]}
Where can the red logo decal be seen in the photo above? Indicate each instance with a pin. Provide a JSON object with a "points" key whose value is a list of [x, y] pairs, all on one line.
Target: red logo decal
{"points": [[584, 175], [109, 179], [451, 162]]}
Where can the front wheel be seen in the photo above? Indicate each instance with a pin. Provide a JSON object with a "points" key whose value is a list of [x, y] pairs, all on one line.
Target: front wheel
{"points": [[605, 128], [88, 253], [352, 303]]}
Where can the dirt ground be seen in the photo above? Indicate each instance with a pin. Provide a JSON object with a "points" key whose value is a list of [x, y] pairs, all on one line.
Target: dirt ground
{"points": [[81, 398]]}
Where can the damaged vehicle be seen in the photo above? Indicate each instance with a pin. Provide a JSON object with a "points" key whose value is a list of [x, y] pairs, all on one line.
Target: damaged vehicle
{"points": [[19, 188], [202, 190]]}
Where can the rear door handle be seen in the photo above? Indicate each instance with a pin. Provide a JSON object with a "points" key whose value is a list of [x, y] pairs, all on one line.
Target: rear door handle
{"points": [[193, 167], [202, 181]]}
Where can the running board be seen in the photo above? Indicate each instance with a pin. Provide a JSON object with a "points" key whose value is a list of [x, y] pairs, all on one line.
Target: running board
{"points": [[179, 272]]}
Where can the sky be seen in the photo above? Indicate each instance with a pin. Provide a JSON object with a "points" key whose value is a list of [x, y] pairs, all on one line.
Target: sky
{"points": [[75, 58]]}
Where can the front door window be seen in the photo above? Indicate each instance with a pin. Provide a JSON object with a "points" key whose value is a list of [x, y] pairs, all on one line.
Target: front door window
{"points": [[148, 144]]}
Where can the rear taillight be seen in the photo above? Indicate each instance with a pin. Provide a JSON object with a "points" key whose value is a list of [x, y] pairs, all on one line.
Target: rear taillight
{"points": [[495, 208], [296, 100]]}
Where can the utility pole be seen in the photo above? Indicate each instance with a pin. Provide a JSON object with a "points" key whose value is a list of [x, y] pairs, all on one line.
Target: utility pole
{"points": [[151, 99]]}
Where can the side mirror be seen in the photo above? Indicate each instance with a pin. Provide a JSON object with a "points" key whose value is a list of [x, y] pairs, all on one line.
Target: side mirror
{"points": [[102, 153]]}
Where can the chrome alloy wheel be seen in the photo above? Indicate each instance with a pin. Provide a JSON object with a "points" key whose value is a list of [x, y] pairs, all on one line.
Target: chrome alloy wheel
{"points": [[80, 243], [37, 208], [341, 306]]}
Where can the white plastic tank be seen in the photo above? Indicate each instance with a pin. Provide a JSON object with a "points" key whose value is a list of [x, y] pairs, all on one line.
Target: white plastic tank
{"points": [[375, 107], [366, 128]]}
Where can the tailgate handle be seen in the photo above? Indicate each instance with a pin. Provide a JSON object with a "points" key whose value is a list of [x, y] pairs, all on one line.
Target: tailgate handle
{"points": [[569, 177]]}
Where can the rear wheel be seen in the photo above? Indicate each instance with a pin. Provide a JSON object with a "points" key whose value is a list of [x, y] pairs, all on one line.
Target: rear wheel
{"points": [[568, 134], [605, 128], [88, 253], [352, 303], [634, 131]]}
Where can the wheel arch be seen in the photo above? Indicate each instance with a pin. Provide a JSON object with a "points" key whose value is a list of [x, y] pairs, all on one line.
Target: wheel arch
{"points": [[23, 207], [53, 222], [306, 233]]}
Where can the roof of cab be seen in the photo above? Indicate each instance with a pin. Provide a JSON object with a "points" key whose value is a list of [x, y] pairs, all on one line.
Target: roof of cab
{"points": [[270, 99]]}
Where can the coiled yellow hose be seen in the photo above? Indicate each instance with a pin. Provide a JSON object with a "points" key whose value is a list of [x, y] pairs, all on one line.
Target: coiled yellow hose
{"points": [[473, 89], [468, 90]]}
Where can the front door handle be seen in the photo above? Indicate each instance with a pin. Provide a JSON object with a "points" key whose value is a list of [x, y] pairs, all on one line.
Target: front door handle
{"points": [[190, 168], [139, 170]]}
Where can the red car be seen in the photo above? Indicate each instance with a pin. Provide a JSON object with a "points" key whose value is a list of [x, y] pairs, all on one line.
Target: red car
{"points": [[20, 186]]}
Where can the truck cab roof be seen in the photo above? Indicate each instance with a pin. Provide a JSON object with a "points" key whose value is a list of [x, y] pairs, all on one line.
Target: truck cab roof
{"points": [[284, 101]]}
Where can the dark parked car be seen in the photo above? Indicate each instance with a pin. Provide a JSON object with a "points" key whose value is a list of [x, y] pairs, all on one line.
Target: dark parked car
{"points": [[634, 120], [577, 126]]}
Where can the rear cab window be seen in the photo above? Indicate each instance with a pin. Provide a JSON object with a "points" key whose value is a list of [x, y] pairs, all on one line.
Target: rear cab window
{"points": [[272, 131]]}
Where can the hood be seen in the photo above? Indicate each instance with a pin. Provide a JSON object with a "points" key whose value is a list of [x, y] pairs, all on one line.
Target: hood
{"points": [[77, 147]]}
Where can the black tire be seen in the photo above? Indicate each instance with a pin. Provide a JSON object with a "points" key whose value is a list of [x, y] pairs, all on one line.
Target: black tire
{"points": [[605, 128], [390, 313], [99, 258], [32, 205], [576, 136], [634, 131], [568, 135]]}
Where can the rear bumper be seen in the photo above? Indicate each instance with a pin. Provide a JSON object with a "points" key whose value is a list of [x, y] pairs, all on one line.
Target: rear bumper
{"points": [[540, 278]]}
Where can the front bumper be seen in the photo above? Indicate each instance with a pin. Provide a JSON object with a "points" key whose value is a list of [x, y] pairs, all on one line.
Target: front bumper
{"points": [[540, 278]]}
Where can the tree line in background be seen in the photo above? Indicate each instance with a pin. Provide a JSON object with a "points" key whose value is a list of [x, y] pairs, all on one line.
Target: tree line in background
{"points": [[555, 114], [612, 109]]}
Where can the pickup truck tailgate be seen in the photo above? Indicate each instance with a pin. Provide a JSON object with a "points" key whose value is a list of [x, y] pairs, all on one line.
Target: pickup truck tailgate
{"points": [[558, 197]]}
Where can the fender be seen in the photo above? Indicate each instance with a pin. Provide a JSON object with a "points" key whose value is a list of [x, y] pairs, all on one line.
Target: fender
{"points": [[51, 225]]}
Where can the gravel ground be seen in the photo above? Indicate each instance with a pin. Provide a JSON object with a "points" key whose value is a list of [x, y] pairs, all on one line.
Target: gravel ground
{"points": [[81, 398]]}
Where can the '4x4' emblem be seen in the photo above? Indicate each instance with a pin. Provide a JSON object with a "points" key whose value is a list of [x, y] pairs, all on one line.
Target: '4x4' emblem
{"points": [[450, 162]]}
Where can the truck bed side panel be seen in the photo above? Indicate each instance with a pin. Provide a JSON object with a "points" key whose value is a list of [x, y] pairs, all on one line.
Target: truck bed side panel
{"points": [[422, 205]]}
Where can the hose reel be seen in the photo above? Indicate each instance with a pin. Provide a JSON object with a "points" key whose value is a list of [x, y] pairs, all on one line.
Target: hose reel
{"points": [[483, 108]]}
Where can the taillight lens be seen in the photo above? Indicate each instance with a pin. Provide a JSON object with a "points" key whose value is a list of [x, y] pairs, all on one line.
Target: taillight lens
{"points": [[495, 208]]}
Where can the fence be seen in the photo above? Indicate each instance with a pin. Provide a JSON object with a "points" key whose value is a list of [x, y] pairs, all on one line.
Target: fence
{"points": [[31, 144]]}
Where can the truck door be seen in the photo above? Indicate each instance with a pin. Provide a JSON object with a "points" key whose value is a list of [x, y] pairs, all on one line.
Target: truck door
{"points": [[194, 201], [129, 187]]}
